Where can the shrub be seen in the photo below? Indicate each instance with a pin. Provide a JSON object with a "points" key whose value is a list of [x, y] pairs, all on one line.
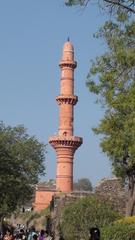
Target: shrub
{"points": [[128, 220], [80, 216], [119, 231]]}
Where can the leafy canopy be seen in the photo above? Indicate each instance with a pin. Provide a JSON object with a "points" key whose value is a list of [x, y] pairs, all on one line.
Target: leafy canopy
{"points": [[83, 184], [21, 164], [112, 79]]}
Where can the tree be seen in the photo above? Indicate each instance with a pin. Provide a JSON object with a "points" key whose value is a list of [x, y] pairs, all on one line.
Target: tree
{"points": [[113, 5], [78, 217], [82, 184], [112, 79], [21, 164]]}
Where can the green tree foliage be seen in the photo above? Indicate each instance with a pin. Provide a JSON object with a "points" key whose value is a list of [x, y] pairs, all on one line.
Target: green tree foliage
{"points": [[83, 184], [114, 6], [21, 163], [80, 216], [112, 79]]}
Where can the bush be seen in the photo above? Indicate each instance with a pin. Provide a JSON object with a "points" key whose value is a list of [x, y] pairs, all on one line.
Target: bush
{"points": [[121, 231], [80, 216], [128, 220]]}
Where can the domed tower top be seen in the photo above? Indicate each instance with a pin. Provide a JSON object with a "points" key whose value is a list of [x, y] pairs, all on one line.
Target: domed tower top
{"points": [[68, 54], [68, 46]]}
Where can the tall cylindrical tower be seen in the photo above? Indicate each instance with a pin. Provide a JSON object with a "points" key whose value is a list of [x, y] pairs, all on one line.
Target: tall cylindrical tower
{"points": [[65, 143]]}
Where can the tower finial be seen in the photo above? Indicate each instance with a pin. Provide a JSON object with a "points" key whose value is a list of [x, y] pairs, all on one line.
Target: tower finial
{"points": [[68, 39]]}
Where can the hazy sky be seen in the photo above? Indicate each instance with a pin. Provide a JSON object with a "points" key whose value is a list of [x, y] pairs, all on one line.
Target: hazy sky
{"points": [[32, 34]]}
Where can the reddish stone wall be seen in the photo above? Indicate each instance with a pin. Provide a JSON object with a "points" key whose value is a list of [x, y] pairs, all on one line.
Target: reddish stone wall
{"points": [[42, 199], [108, 190]]}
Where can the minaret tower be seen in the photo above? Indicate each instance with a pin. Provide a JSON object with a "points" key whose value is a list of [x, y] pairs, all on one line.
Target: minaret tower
{"points": [[65, 144]]}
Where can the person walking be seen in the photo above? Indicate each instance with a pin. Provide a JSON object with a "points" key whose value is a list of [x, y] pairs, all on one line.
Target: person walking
{"points": [[8, 235], [42, 234], [32, 233], [94, 233]]}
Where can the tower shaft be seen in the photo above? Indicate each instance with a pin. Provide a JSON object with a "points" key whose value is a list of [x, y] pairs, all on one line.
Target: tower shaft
{"points": [[65, 143]]}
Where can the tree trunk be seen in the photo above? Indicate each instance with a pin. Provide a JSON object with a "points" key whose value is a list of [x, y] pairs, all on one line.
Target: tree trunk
{"points": [[130, 205]]}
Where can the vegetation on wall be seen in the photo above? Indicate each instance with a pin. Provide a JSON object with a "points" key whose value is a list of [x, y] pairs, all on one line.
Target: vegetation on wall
{"points": [[80, 216]]}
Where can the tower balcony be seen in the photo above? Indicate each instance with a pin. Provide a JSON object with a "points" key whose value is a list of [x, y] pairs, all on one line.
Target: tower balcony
{"points": [[65, 141], [66, 99], [68, 63]]}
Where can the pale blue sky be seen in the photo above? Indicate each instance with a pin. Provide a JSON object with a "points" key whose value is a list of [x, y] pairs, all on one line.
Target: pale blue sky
{"points": [[32, 34]]}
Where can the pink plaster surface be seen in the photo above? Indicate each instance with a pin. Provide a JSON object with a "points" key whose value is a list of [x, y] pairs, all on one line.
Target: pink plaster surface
{"points": [[42, 199], [65, 144]]}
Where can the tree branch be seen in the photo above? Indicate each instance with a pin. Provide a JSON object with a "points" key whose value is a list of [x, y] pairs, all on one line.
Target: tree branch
{"points": [[118, 3]]}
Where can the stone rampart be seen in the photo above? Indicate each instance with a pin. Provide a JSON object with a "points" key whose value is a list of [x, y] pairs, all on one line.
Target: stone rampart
{"points": [[112, 191]]}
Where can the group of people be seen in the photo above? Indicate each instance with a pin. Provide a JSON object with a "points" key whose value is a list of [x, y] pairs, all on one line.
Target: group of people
{"points": [[43, 235], [30, 234]]}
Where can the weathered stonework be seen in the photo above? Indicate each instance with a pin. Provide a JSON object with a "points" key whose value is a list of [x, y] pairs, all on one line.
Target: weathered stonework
{"points": [[112, 191]]}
